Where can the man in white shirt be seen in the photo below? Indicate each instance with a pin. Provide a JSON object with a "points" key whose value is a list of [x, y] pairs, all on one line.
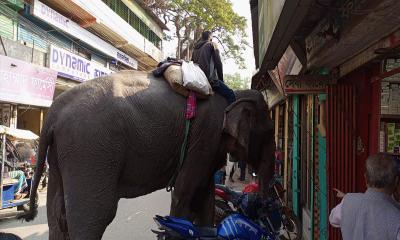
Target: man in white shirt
{"points": [[373, 214]]}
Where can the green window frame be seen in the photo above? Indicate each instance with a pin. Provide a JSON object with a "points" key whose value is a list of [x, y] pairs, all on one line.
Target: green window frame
{"points": [[132, 19]]}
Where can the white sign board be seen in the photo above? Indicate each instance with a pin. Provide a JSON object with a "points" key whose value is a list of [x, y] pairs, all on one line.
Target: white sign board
{"points": [[109, 19], [66, 25], [72, 66]]}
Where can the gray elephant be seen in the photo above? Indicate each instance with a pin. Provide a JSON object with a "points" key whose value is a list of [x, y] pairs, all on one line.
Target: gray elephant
{"points": [[120, 136]]}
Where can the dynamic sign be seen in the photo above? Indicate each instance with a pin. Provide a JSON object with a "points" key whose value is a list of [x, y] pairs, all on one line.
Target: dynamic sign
{"points": [[24, 83], [66, 25], [75, 67]]}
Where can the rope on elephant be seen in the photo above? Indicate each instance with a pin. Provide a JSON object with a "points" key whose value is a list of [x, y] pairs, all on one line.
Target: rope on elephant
{"points": [[190, 113]]}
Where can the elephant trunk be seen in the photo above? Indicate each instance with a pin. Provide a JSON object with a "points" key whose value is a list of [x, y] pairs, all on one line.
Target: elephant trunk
{"points": [[45, 139]]}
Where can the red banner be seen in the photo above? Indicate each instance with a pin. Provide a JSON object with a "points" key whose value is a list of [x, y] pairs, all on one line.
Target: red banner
{"points": [[25, 83]]}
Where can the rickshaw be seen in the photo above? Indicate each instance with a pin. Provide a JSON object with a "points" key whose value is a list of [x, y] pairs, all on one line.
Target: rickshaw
{"points": [[8, 185]]}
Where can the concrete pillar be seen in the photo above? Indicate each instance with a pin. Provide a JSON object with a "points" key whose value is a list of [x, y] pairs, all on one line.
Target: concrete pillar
{"points": [[41, 120], [277, 111], [5, 114], [13, 117], [286, 148]]}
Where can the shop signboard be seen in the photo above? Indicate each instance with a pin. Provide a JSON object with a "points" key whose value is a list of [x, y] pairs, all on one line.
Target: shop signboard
{"points": [[68, 26], [289, 64], [74, 67], [25, 83], [295, 84], [273, 97]]}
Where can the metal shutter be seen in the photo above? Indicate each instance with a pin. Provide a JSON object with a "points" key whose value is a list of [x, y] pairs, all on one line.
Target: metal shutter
{"points": [[31, 38], [7, 27]]}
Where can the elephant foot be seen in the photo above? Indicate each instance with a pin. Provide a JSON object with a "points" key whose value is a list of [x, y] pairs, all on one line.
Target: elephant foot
{"points": [[58, 235]]}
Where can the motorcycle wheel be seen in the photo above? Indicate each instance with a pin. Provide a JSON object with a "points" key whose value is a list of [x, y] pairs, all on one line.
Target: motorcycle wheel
{"points": [[222, 210], [291, 227], [9, 236]]}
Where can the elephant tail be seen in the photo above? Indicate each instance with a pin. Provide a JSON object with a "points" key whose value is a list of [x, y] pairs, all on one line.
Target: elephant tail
{"points": [[46, 138]]}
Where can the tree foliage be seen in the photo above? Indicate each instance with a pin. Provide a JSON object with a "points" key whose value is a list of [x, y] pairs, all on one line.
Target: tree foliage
{"points": [[236, 81], [191, 17]]}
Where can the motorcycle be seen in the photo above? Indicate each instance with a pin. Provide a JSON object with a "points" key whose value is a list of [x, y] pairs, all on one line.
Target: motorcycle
{"points": [[234, 226], [270, 213]]}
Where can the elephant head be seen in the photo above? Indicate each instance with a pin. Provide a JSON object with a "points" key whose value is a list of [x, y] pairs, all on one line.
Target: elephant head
{"points": [[248, 133]]}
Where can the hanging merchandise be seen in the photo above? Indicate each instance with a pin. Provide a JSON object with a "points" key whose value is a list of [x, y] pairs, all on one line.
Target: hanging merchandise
{"points": [[389, 134]]}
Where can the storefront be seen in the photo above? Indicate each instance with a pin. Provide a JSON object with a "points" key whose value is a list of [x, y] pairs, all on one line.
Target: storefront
{"points": [[342, 107], [26, 91]]}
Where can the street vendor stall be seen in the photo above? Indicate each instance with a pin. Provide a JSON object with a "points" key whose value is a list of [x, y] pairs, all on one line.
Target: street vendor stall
{"points": [[9, 184]]}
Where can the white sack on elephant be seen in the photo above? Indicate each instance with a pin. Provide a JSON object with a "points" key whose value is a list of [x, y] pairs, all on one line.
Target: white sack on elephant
{"points": [[174, 76], [194, 78]]}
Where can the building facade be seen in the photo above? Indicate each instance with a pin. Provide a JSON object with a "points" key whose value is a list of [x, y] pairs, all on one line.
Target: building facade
{"points": [[330, 72], [48, 47]]}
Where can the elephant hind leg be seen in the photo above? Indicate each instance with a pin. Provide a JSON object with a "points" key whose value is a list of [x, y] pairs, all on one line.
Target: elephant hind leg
{"points": [[91, 194], [90, 212], [56, 217]]}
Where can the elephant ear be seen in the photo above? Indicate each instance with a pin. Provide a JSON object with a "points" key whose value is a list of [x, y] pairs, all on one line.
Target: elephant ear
{"points": [[239, 120]]}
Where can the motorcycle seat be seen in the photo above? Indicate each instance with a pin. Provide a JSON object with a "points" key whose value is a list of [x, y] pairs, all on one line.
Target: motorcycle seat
{"points": [[233, 193], [207, 231]]}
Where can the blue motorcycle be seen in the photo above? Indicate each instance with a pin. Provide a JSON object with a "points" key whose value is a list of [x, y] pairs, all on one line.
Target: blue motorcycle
{"points": [[233, 227]]}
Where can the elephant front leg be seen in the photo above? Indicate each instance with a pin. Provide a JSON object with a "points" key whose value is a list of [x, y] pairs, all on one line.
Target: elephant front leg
{"points": [[187, 186], [205, 206], [181, 205], [197, 206], [192, 197], [194, 200]]}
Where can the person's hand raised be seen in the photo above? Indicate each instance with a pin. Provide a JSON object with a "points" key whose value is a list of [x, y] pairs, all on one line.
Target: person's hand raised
{"points": [[339, 193]]}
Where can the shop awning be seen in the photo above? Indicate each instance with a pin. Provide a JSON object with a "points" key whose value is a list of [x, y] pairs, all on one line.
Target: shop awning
{"points": [[293, 23], [356, 32], [276, 31], [18, 133]]}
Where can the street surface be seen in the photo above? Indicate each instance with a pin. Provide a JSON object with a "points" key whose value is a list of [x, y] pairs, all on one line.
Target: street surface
{"points": [[133, 221]]}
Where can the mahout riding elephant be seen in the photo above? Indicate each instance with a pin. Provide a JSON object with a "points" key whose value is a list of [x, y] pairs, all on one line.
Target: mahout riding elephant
{"points": [[119, 136]]}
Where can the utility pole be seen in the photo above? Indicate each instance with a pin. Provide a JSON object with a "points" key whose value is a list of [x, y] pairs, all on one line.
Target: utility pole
{"points": [[2, 44]]}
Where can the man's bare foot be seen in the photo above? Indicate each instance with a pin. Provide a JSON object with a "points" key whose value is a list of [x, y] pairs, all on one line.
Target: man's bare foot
{"points": [[19, 196]]}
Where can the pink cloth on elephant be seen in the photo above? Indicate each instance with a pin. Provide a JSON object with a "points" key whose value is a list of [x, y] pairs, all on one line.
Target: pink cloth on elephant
{"points": [[191, 106]]}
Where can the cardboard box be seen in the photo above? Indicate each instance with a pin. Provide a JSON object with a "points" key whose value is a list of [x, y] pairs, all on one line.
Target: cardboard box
{"points": [[391, 136], [382, 141], [385, 99], [397, 136]]}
